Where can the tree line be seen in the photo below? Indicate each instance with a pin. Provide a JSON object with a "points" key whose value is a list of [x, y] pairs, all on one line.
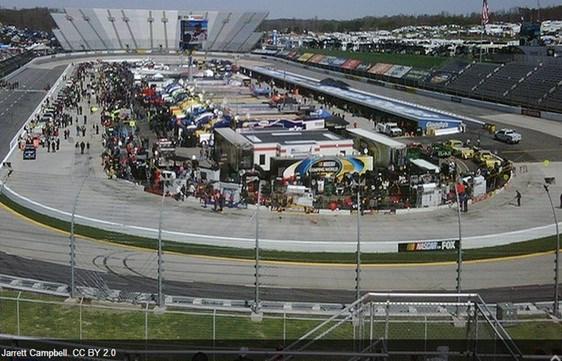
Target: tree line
{"points": [[396, 21], [33, 18]]}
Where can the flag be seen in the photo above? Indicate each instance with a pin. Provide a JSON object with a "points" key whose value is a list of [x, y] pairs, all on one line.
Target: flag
{"points": [[485, 13]]}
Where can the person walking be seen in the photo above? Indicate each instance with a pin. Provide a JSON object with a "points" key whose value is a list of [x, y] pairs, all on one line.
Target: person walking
{"points": [[82, 146], [518, 198]]}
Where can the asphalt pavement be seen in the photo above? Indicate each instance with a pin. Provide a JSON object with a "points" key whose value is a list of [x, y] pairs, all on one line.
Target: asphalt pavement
{"points": [[33, 251], [18, 104]]}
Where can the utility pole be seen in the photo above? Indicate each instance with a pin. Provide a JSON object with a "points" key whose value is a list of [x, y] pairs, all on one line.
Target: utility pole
{"points": [[556, 306]]}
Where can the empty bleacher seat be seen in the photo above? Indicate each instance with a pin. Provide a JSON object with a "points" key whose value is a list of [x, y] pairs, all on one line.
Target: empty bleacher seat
{"points": [[503, 80], [471, 77], [537, 85]]}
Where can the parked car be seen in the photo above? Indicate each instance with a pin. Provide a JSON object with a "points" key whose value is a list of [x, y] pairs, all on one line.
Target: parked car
{"points": [[458, 149], [508, 136], [390, 129]]}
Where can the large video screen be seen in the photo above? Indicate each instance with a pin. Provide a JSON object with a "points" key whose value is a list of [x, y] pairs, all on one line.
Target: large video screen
{"points": [[193, 32]]}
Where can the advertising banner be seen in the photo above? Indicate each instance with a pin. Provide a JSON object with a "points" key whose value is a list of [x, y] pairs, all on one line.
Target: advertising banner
{"points": [[305, 57], [338, 62], [398, 71], [316, 58], [330, 166], [429, 246], [380, 68], [363, 67], [351, 64]]}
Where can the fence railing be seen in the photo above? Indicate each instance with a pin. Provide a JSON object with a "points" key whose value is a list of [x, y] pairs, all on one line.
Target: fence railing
{"points": [[366, 327]]}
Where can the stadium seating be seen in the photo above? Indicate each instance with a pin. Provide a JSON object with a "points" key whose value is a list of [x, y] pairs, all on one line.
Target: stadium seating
{"points": [[471, 77], [503, 80], [537, 85], [455, 66], [553, 101]]}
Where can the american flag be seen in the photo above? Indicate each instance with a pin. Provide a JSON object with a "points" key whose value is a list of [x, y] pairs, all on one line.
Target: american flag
{"points": [[485, 13]]}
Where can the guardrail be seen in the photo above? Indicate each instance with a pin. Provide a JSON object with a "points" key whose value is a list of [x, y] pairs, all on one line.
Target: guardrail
{"points": [[233, 305]]}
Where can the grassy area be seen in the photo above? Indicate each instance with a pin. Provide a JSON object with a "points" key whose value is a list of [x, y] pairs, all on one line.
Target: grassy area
{"points": [[516, 249], [55, 319], [417, 61]]}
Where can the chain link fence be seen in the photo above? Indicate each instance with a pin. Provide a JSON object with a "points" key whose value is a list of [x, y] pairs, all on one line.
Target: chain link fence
{"points": [[375, 327]]}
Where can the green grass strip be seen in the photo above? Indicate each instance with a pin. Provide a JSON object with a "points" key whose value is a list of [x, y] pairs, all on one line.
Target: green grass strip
{"points": [[416, 61]]}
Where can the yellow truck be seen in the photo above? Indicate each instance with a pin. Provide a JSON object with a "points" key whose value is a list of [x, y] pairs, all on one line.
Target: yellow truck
{"points": [[458, 149], [487, 158]]}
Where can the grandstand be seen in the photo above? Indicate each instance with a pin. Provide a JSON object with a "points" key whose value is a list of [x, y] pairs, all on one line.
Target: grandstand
{"points": [[528, 83], [503, 79], [537, 86], [145, 30], [554, 98], [470, 77]]}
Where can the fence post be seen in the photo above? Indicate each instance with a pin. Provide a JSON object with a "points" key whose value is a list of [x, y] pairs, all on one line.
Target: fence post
{"points": [[387, 316], [80, 319], [425, 333], [146, 322], [214, 326], [284, 327], [18, 313], [371, 322]]}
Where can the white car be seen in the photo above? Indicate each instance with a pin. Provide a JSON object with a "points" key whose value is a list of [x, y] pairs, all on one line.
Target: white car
{"points": [[508, 136]]}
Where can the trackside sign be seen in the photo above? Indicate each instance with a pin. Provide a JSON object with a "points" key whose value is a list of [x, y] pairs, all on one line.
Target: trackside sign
{"points": [[429, 246]]}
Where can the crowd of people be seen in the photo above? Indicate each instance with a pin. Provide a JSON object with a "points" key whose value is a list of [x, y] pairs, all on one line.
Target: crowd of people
{"points": [[131, 155], [54, 120]]}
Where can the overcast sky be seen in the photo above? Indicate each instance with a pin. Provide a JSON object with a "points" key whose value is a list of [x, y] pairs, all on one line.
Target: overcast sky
{"points": [[330, 9]]}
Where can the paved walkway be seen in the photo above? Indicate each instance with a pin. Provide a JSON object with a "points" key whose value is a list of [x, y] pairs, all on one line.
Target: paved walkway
{"points": [[55, 179]]}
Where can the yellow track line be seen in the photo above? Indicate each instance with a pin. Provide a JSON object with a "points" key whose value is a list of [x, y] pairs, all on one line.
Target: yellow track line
{"points": [[281, 263]]}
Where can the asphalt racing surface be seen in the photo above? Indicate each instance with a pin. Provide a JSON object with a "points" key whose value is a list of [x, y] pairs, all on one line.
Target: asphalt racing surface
{"points": [[18, 104], [29, 250], [33, 251]]}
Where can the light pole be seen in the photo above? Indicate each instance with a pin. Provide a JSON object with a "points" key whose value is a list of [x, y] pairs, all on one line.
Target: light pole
{"points": [[358, 254], [459, 250], [556, 257], [160, 262], [73, 243], [257, 265]]}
